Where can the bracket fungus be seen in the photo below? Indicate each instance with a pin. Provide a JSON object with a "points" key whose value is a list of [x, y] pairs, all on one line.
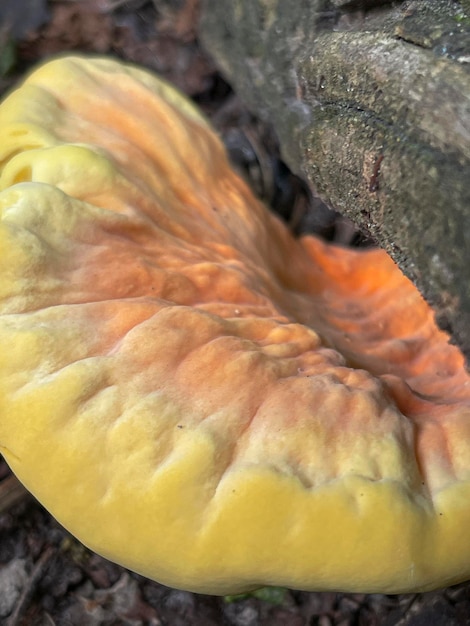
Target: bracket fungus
{"points": [[193, 392]]}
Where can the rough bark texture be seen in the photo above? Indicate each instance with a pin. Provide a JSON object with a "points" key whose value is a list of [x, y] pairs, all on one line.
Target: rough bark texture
{"points": [[371, 102]]}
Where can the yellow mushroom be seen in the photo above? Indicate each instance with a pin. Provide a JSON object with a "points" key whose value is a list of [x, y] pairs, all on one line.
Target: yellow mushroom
{"points": [[193, 392]]}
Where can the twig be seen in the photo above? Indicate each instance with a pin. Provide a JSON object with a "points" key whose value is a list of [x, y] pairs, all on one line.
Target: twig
{"points": [[41, 565], [11, 492]]}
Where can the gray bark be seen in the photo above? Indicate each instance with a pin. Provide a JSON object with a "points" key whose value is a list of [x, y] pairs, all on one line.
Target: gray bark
{"points": [[371, 103]]}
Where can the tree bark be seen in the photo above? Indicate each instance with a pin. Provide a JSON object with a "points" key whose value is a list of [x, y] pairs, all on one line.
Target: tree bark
{"points": [[371, 103]]}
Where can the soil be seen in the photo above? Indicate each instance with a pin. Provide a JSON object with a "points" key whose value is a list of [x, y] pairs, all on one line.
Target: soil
{"points": [[47, 577]]}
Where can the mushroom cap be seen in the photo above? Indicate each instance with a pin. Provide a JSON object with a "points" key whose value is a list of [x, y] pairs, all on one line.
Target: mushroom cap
{"points": [[193, 392]]}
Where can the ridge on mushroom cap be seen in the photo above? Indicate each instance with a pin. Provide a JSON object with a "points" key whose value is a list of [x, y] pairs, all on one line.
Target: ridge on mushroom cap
{"points": [[190, 390]]}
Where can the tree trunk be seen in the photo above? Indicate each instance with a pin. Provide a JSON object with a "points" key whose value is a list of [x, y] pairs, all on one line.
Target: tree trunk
{"points": [[371, 103]]}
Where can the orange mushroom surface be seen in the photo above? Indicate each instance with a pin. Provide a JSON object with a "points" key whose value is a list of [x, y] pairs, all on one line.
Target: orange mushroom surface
{"points": [[193, 392]]}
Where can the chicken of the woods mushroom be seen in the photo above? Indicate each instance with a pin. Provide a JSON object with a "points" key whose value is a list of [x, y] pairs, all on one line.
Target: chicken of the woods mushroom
{"points": [[193, 392]]}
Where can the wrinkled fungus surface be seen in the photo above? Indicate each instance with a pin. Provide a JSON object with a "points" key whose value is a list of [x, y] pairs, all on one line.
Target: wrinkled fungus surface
{"points": [[191, 391]]}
